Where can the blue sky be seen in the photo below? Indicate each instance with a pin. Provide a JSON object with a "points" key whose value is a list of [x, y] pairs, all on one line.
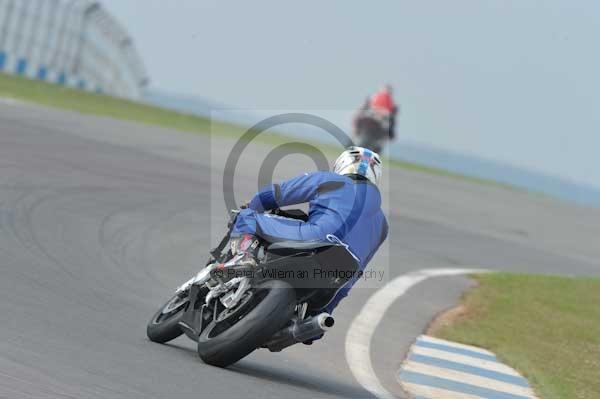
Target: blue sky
{"points": [[515, 81]]}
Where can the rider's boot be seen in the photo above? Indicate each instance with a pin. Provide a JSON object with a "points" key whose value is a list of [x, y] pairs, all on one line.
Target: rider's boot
{"points": [[244, 250]]}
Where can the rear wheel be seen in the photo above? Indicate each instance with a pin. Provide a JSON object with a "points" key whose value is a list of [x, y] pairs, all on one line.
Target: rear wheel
{"points": [[370, 134], [163, 326], [239, 331]]}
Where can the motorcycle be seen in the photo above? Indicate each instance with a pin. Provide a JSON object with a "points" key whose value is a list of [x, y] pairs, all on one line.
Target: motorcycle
{"points": [[371, 129], [230, 313]]}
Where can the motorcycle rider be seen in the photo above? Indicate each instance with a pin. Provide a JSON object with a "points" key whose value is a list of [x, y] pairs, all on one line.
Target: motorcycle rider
{"points": [[382, 105], [345, 207]]}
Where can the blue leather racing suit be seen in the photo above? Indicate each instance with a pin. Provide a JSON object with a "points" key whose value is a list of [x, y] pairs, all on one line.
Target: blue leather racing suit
{"points": [[341, 209]]}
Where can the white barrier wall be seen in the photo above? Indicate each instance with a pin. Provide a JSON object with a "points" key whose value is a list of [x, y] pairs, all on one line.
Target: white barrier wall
{"points": [[74, 43]]}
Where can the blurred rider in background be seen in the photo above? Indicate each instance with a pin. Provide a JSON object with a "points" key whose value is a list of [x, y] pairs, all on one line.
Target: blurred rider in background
{"points": [[375, 121]]}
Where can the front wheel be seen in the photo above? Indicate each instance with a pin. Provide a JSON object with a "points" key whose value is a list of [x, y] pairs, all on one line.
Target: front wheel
{"points": [[266, 310], [164, 325]]}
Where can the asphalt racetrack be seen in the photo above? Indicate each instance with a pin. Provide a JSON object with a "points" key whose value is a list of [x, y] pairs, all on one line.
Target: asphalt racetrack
{"points": [[100, 220]]}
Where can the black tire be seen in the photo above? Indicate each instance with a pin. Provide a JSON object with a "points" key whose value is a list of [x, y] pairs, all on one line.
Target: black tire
{"points": [[370, 134], [253, 330], [367, 141], [164, 327]]}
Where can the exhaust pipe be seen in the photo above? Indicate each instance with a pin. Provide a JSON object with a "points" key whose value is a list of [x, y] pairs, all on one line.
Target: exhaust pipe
{"points": [[300, 331]]}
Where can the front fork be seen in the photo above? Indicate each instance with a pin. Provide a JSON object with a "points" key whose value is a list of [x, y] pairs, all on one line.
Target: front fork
{"points": [[197, 315], [193, 320], [217, 252]]}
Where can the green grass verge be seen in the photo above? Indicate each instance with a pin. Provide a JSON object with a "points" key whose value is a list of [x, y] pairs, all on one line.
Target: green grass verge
{"points": [[546, 327], [98, 104]]}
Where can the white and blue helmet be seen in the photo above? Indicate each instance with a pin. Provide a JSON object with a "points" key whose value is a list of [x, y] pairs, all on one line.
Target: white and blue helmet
{"points": [[359, 161]]}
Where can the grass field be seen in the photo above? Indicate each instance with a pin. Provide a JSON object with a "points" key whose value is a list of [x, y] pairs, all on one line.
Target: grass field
{"points": [[98, 104], [91, 103], [546, 327]]}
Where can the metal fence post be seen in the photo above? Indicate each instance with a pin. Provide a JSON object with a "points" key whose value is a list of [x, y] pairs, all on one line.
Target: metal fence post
{"points": [[77, 58], [53, 14], [10, 7], [55, 63]]}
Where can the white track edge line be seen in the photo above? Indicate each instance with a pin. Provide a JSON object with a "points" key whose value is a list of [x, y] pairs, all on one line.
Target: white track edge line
{"points": [[364, 325]]}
